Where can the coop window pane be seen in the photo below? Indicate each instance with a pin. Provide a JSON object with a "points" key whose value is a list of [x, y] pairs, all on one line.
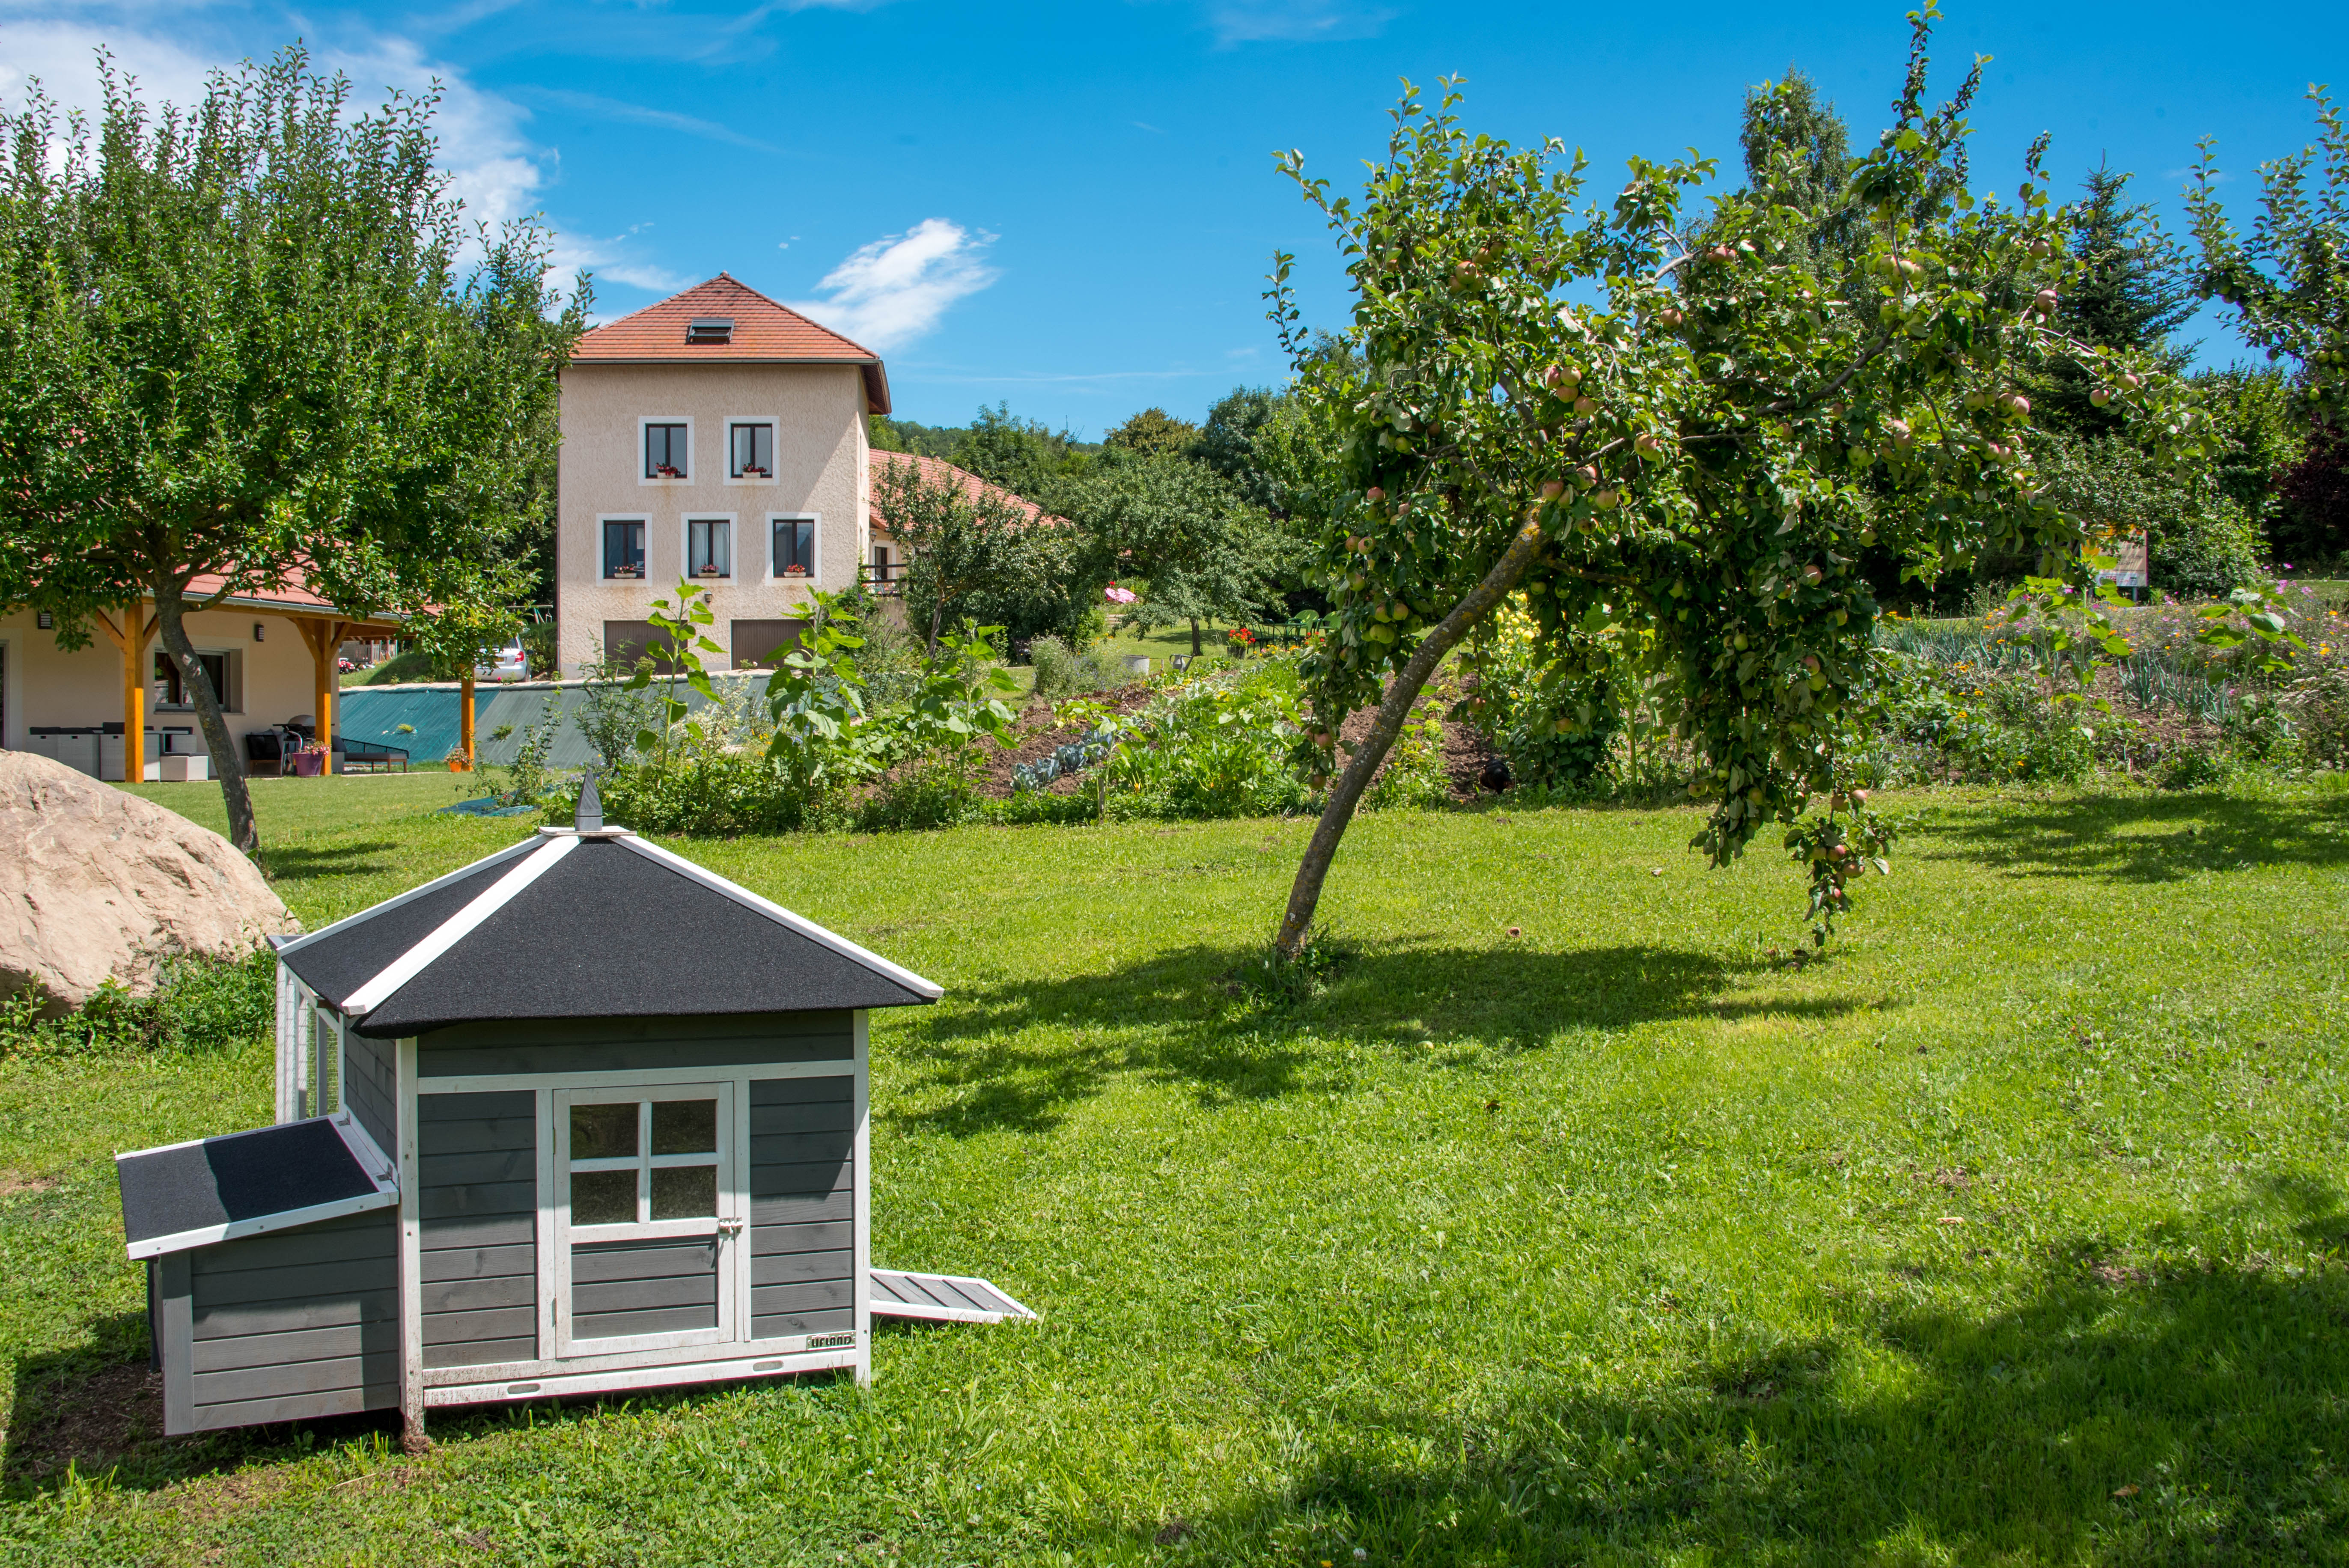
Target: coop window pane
{"points": [[606, 1197], [685, 1126], [685, 1193], [603, 1131]]}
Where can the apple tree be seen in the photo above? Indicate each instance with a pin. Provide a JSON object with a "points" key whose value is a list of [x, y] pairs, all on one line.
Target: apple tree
{"points": [[250, 342], [1581, 403]]}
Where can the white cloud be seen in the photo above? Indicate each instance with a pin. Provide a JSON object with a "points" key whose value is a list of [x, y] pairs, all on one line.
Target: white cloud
{"points": [[64, 56], [491, 167], [1294, 21], [893, 291], [639, 114], [611, 260]]}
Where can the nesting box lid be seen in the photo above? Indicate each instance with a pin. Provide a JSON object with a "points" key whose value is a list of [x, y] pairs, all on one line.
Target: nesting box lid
{"points": [[585, 924], [212, 1190]]}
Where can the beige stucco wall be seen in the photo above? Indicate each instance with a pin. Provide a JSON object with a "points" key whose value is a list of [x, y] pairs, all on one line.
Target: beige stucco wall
{"points": [[46, 685], [820, 467]]}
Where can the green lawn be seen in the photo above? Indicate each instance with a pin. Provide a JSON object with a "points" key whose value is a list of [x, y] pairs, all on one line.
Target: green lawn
{"points": [[2013, 1233]]}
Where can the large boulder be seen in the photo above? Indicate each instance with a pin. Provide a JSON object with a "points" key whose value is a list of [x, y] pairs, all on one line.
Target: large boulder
{"points": [[97, 882]]}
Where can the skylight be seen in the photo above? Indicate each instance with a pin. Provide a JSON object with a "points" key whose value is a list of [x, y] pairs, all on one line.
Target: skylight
{"points": [[711, 329]]}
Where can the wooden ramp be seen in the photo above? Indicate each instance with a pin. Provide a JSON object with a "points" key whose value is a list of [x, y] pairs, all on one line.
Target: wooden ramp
{"points": [[941, 1298]]}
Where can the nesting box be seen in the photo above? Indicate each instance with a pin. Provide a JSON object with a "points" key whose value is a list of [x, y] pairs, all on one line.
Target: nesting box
{"points": [[580, 1117]]}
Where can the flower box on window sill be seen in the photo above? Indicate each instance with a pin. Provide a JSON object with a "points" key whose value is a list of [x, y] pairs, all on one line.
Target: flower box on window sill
{"points": [[666, 471], [707, 572], [624, 572], [756, 473], [794, 571]]}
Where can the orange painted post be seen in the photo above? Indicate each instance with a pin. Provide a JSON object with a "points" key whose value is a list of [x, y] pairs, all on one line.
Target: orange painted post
{"points": [[130, 642], [465, 721], [322, 660], [134, 702]]}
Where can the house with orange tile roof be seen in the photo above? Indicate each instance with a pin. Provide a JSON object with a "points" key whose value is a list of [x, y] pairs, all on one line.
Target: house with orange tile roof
{"points": [[720, 438]]}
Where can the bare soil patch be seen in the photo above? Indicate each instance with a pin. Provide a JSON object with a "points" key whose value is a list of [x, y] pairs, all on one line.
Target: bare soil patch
{"points": [[90, 1419]]}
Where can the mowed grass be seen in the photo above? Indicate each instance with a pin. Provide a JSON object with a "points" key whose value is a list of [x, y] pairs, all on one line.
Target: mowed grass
{"points": [[2012, 1234]]}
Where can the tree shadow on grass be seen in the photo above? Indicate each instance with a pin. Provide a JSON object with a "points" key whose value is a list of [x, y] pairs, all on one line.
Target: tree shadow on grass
{"points": [[293, 862], [96, 1408], [2114, 1413], [1014, 1057], [2146, 839]]}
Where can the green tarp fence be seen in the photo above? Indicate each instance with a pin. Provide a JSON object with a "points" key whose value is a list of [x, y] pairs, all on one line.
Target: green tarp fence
{"points": [[429, 715]]}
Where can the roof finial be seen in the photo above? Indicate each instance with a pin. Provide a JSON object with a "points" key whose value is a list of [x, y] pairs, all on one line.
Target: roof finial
{"points": [[590, 817]]}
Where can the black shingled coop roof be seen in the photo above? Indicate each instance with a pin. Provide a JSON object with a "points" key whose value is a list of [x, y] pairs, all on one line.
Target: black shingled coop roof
{"points": [[603, 925], [237, 1178]]}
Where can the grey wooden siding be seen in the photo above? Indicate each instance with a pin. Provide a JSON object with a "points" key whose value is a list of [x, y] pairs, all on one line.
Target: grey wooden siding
{"points": [[630, 1044], [476, 1199], [282, 1327], [803, 1197], [371, 1088], [642, 1287]]}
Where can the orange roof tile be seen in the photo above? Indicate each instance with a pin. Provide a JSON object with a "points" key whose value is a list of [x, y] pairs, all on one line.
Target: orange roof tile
{"points": [[764, 333], [291, 592], [936, 469]]}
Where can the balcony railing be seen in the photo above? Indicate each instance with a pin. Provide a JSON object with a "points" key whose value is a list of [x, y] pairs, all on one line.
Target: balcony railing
{"points": [[883, 579]]}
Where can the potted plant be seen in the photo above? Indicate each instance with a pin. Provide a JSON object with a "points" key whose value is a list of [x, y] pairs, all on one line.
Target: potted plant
{"points": [[753, 471], [707, 572], [794, 570], [668, 472]]}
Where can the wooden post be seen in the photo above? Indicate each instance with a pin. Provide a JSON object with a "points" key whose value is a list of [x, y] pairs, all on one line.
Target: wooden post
{"points": [[465, 719], [411, 1240], [131, 640], [322, 637]]}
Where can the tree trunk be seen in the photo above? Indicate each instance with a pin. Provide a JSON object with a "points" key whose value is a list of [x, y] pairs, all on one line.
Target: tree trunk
{"points": [[228, 766], [1194, 636], [1402, 693]]}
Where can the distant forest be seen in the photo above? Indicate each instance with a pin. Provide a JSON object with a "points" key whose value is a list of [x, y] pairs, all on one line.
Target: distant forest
{"points": [[940, 440]]}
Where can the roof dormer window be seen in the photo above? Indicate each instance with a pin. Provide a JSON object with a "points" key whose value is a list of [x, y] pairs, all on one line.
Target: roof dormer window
{"points": [[709, 329]]}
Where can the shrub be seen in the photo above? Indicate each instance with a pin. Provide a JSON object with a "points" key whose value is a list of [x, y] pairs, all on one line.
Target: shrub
{"points": [[1413, 778], [1217, 747], [198, 1004], [2195, 767], [936, 792], [2319, 704], [1062, 672]]}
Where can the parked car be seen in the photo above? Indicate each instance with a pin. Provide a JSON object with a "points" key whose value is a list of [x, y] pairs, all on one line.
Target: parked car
{"points": [[510, 665]]}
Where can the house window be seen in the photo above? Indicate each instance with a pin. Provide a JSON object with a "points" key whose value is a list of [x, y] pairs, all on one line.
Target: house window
{"points": [[751, 452], [624, 549], [794, 547], [667, 454], [221, 669], [708, 547]]}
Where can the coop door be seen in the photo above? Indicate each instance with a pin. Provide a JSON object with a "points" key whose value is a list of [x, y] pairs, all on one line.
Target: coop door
{"points": [[648, 1218]]}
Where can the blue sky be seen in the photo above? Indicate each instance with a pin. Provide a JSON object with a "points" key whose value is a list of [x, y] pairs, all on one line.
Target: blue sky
{"points": [[1072, 208]]}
